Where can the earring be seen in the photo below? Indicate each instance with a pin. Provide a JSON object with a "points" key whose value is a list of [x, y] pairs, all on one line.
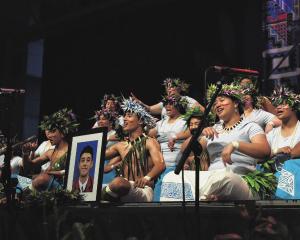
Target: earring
{"points": [[236, 110]]}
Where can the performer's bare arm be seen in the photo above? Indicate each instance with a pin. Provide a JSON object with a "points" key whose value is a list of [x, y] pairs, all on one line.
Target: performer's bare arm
{"points": [[258, 148], [268, 106], [157, 158], [295, 151], [159, 164], [112, 164], [113, 151], [152, 133], [153, 109], [56, 173], [42, 158]]}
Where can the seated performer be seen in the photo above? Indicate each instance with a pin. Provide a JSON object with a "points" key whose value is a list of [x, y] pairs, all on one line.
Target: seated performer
{"points": [[285, 139], [174, 87], [59, 124], [84, 183], [193, 119], [17, 162], [252, 113], [107, 118], [263, 100], [111, 104], [142, 161], [234, 149], [170, 126]]}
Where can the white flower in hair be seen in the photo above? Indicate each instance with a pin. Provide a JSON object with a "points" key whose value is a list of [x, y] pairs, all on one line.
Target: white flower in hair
{"points": [[129, 105]]}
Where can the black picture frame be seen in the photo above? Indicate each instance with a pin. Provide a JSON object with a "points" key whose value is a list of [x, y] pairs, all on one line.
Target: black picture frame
{"points": [[96, 139]]}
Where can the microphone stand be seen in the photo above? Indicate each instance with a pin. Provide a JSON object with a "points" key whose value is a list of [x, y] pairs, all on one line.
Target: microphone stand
{"points": [[193, 145]]}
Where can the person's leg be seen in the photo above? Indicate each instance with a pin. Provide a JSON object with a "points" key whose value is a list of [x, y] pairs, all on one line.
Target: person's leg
{"points": [[137, 194], [226, 185], [41, 181], [116, 188]]}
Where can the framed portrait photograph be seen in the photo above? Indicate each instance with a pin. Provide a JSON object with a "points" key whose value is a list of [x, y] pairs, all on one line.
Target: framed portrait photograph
{"points": [[84, 171]]}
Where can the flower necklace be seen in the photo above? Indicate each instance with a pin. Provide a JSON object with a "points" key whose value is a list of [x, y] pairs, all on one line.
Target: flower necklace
{"points": [[228, 129]]}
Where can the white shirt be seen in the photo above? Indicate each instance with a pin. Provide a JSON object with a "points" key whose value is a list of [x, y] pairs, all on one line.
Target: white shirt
{"points": [[241, 163], [276, 140], [259, 116], [82, 186], [164, 131], [44, 147]]}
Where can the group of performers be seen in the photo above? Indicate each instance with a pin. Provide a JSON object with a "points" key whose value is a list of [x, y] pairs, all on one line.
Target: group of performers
{"points": [[243, 130]]}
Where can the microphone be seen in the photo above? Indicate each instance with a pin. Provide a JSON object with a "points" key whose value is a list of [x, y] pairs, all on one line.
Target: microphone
{"points": [[11, 91], [223, 69]]}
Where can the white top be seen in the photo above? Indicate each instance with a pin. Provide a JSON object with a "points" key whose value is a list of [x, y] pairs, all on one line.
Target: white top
{"points": [[191, 102], [44, 147], [110, 143], [82, 186], [241, 163], [164, 131], [276, 140], [259, 116]]}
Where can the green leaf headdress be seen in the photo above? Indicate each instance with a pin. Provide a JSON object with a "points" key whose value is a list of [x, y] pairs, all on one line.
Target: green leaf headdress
{"points": [[196, 112], [229, 90], [283, 95], [63, 120], [179, 102], [129, 105], [176, 82]]}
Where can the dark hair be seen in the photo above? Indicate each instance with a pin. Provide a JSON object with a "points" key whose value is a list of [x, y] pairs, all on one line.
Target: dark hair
{"points": [[87, 149], [191, 117]]}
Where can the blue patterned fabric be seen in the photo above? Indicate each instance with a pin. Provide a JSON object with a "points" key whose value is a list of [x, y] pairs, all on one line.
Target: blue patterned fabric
{"points": [[289, 180], [157, 187], [174, 191]]}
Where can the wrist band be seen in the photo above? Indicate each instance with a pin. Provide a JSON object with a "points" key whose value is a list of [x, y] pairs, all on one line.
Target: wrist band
{"points": [[275, 151], [112, 166], [271, 123], [235, 144], [147, 178]]}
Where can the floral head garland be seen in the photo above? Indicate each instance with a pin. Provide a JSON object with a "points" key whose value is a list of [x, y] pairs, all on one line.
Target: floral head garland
{"points": [[129, 105], [228, 90], [249, 89], [110, 115], [283, 95], [63, 120], [177, 101], [176, 82], [111, 97]]}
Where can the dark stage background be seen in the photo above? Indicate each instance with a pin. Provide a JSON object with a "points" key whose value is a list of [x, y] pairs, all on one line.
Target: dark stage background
{"points": [[132, 47]]}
